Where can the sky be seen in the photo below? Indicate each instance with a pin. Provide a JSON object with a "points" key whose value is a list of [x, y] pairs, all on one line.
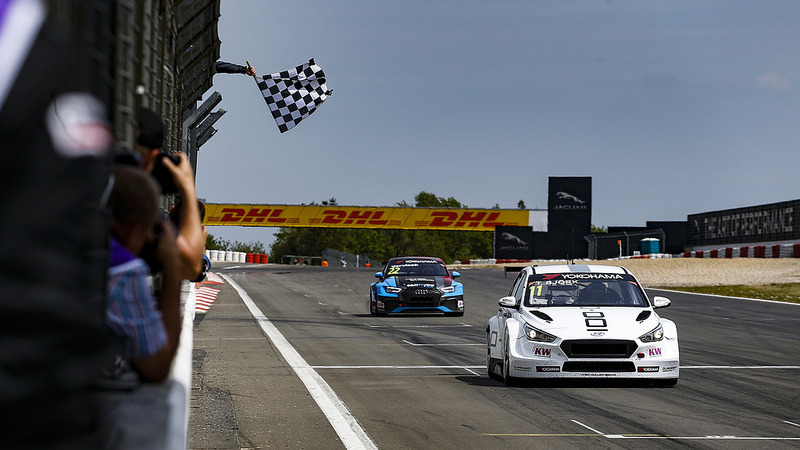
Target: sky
{"points": [[672, 107]]}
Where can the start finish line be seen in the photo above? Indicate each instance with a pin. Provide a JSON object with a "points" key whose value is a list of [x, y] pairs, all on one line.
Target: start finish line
{"points": [[465, 219]]}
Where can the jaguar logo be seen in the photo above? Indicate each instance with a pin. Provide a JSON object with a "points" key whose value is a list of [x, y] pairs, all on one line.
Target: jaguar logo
{"points": [[567, 196]]}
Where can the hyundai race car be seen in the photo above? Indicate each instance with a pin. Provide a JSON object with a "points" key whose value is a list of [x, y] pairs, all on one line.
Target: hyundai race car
{"points": [[581, 321], [416, 284]]}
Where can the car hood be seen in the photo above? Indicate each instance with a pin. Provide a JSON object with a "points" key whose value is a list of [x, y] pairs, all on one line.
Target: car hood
{"points": [[592, 322], [421, 281]]}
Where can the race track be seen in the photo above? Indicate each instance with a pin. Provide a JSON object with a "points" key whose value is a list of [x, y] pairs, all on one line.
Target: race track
{"points": [[318, 371]]}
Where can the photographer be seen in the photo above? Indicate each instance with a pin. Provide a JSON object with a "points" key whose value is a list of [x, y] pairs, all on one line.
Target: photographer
{"points": [[174, 174]]}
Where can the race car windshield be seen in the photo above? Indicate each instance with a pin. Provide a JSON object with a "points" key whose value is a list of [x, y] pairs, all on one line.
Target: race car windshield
{"points": [[575, 289], [410, 267]]}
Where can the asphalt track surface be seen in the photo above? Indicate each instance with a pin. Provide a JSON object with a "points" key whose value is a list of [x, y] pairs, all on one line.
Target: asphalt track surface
{"points": [[290, 357]]}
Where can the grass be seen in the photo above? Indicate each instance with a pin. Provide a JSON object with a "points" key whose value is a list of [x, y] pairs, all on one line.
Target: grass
{"points": [[789, 292]]}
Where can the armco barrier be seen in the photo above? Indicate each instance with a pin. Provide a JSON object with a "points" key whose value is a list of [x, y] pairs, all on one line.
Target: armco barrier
{"points": [[748, 251]]}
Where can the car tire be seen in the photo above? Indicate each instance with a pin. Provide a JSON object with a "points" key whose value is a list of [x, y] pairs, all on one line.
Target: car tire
{"points": [[373, 309], [491, 363], [507, 378]]}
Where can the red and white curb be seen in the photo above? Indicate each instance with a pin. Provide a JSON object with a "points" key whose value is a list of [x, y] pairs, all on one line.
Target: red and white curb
{"points": [[205, 295]]}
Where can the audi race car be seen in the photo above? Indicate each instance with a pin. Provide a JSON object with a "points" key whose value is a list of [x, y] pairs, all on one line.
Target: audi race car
{"points": [[416, 284], [581, 321]]}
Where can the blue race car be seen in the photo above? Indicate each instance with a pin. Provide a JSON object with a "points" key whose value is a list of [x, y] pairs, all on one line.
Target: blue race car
{"points": [[416, 284]]}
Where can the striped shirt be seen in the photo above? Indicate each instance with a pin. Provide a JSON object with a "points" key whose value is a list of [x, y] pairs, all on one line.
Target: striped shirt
{"points": [[132, 313]]}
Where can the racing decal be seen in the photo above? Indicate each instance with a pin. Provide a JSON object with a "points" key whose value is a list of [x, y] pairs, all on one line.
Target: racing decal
{"points": [[363, 217], [670, 369], [595, 319], [543, 352], [522, 369], [548, 369], [592, 276], [648, 368], [656, 351]]}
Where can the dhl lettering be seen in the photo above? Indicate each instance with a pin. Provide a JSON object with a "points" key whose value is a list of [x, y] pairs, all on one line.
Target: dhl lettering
{"points": [[468, 219], [232, 215], [441, 216], [489, 220], [333, 216], [359, 218], [256, 215], [376, 218], [473, 219], [275, 217]]}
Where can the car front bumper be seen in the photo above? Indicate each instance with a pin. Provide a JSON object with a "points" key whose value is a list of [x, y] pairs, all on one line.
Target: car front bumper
{"points": [[657, 360], [411, 304]]}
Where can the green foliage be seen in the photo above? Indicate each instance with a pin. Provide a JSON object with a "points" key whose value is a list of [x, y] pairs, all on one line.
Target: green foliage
{"points": [[381, 245], [596, 229]]}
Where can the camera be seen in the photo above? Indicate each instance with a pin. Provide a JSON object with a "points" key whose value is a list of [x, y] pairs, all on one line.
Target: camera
{"points": [[162, 175]]}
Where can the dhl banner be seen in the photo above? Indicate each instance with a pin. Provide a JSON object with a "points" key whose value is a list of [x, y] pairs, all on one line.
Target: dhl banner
{"points": [[364, 217]]}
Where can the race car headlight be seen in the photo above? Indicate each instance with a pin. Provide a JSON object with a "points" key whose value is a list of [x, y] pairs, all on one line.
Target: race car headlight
{"points": [[392, 289], [447, 289], [535, 334], [656, 334]]}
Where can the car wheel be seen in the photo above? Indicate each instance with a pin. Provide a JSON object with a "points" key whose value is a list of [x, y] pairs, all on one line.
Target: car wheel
{"points": [[372, 307], [507, 378], [491, 363]]}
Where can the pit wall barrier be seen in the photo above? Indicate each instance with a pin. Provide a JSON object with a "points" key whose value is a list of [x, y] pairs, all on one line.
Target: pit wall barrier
{"points": [[241, 257], [748, 251]]}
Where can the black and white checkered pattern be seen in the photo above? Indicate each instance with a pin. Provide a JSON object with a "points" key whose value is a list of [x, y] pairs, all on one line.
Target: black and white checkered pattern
{"points": [[292, 95]]}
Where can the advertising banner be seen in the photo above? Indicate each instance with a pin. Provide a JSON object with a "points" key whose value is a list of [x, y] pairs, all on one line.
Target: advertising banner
{"points": [[763, 223], [569, 206], [513, 243], [363, 217]]}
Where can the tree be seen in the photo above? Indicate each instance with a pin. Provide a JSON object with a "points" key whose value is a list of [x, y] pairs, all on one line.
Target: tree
{"points": [[521, 204], [381, 244]]}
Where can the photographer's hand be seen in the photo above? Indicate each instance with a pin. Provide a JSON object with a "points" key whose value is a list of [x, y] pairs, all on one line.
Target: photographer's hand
{"points": [[191, 241], [156, 367]]}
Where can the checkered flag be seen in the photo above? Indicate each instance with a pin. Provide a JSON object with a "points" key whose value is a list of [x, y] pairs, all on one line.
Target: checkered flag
{"points": [[292, 95]]}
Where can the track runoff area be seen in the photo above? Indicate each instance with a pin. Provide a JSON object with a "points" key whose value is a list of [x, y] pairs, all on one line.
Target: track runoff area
{"points": [[354, 436]]}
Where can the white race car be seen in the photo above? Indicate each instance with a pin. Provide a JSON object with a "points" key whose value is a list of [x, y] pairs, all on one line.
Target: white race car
{"points": [[581, 321]]}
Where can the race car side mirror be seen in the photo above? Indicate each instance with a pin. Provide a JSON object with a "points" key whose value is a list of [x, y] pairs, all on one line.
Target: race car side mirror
{"points": [[455, 274], [508, 302], [378, 274], [661, 302]]}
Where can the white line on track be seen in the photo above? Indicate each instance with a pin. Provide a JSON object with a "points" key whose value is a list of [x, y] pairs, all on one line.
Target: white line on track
{"points": [[461, 325], [588, 427], [339, 416], [740, 367], [436, 345], [708, 437], [399, 367]]}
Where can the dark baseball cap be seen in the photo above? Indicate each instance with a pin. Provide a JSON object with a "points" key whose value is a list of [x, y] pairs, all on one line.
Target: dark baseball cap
{"points": [[150, 128]]}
